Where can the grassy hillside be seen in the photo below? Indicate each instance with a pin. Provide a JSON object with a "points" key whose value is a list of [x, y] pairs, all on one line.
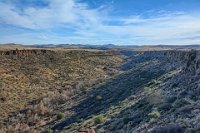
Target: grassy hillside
{"points": [[59, 75]]}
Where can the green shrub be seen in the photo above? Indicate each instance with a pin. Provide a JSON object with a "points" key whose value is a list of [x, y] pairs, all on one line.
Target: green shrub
{"points": [[152, 120], [154, 114], [60, 115], [98, 98], [99, 119], [49, 131]]}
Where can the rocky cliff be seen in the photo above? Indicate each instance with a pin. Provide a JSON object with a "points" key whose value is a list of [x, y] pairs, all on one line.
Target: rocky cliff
{"points": [[24, 52], [190, 59]]}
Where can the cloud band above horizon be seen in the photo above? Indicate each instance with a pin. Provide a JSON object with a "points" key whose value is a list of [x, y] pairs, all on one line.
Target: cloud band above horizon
{"points": [[73, 21]]}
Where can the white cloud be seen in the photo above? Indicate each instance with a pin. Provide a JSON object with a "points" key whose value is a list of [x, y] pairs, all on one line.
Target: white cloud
{"points": [[57, 12], [91, 25], [160, 28]]}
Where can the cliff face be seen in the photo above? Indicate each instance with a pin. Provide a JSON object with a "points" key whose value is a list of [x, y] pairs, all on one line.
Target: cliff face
{"points": [[193, 62], [23, 52], [190, 59]]}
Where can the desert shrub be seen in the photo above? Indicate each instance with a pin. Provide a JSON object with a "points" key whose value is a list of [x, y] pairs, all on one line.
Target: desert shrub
{"points": [[98, 98], [183, 93], [79, 86], [152, 120], [154, 114], [155, 98], [35, 81], [73, 126], [185, 109], [180, 103], [55, 99], [127, 120], [2, 99], [165, 107], [133, 120], [39, 109], [99, 119], [49, 131], [156, 82], [141, 104], [196, 91], [60, 115], [175, 85], [171, 99], [59, 99]]}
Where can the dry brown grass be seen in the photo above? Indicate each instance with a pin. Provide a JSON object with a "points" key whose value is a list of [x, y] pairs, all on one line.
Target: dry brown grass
{"points": [[52, 78]]}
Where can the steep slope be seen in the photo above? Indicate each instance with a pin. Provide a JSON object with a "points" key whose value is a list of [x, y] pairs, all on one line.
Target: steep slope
{"points": [[159, 92], [168, 104], [101, 91]]}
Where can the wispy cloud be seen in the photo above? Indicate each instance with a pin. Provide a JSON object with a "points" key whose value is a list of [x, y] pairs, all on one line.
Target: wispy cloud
{"points": [[70, 21], [57, 12], [166, 26]]}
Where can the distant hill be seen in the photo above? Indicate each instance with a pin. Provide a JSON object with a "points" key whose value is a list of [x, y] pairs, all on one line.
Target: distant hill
{"points": [[102, 47], [196, 46]]}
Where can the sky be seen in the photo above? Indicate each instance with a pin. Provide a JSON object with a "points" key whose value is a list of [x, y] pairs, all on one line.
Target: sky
{"points": [[120, 22]]}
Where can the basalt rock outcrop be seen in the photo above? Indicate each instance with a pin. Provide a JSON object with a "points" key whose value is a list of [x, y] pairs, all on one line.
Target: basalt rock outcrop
{"points": [[193, 62], [189, 60], [24, 52]]}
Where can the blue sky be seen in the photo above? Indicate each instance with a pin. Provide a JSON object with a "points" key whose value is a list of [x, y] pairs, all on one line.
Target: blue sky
{"points": [[121, 22]]}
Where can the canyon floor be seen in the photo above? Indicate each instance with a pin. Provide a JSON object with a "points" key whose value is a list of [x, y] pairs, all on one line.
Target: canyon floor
{"points": [[99, 89]]}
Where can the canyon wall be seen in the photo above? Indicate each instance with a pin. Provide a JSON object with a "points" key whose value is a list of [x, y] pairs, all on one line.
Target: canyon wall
{"points": [[190, 59], [24, 52]]}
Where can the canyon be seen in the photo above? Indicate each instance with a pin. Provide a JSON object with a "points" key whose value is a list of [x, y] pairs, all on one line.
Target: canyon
{"points": [[93, 89]]}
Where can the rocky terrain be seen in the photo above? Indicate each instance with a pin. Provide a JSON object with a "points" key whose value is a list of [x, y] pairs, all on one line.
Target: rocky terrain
{"points": [[104, 91]]}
